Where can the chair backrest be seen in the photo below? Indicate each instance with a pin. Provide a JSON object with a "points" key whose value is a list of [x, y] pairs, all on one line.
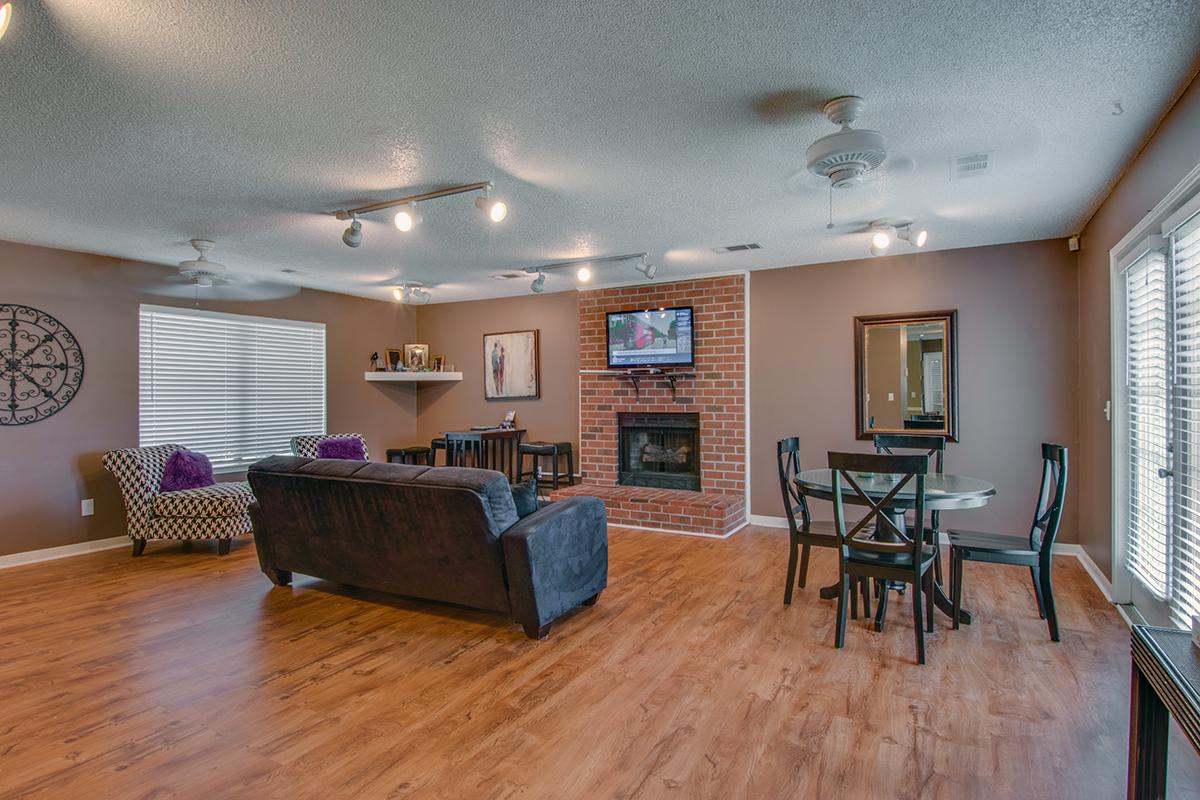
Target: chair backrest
{"points": [[787, 454], [888, 476], [1052, 496], [139, 471], [932, 446], [306, 446]]}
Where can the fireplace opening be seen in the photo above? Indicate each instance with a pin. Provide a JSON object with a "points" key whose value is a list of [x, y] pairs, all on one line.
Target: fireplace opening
{"points": [[659, 450]]}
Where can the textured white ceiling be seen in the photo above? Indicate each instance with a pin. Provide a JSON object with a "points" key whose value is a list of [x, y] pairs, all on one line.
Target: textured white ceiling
{"points": [[129, 126]]}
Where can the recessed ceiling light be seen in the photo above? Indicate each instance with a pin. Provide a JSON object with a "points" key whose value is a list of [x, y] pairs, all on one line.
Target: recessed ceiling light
{"points": [[584, 274], [5, 18]]}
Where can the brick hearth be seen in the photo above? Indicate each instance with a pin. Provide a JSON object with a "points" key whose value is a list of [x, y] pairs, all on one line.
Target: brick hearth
{"points": [[717, 394]]}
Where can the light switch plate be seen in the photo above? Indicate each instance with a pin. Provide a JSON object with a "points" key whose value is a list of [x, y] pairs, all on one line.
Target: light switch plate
{"points": [[87, 507]]}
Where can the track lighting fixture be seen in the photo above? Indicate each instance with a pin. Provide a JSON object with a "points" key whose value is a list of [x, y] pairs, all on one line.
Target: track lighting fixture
{"points": [[411, 293], [539, 283], [5, 18], [495, 209], [884, 233], [352, 236], [406, 218], [647, 269], [583, 268]]}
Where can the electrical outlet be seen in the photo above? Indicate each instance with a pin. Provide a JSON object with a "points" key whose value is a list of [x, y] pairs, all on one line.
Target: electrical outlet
{"points": [[87, 507]]}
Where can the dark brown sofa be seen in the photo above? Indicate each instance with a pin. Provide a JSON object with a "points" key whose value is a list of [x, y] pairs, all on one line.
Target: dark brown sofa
{"points": [[439, 533]]}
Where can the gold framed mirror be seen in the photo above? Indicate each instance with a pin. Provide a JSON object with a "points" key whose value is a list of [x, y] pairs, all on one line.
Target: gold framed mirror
{"points": [[906, 374]]}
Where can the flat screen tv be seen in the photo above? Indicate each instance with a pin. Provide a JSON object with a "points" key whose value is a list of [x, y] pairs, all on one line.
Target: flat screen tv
{"points": [[657, 337]]}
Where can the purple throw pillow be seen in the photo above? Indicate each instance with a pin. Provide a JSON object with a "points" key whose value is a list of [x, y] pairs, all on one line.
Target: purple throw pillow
{"points": [[186, 469], [348, 448]]}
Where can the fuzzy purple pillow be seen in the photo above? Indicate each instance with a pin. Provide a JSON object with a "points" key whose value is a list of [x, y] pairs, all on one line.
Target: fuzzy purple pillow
{"points": [[186, 469], [347, 448]]}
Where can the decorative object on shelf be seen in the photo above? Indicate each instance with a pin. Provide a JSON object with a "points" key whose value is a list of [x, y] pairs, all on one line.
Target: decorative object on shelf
{"points": [[416, 356], [510, 365], [375, 362], [394, 358], [439, 363], [41, 365]]}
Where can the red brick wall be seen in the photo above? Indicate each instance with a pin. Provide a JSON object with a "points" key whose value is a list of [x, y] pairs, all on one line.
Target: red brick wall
{"points": [[717, 393]]}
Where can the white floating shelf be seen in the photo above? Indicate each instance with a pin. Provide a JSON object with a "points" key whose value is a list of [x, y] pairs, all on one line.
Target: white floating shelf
{"points": [[412, 377]]}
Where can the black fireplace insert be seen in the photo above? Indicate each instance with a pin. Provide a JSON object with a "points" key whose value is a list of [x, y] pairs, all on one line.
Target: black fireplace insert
{"points": [[659, 450]]}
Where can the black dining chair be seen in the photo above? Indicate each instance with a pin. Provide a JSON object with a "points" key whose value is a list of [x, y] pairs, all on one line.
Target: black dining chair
{"points": [[935, 448], [804, 533], [890, 552], [1033, 551]]}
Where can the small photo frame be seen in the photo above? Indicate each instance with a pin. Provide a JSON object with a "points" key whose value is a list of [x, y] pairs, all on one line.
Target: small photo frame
{"points": [[416, 356], [439, 363], [393, 359]]}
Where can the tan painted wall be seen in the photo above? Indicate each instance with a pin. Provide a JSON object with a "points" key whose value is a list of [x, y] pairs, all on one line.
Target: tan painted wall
{"points": [[457, 329], [883, 377], [46, 468], [1171, 153], [1017, 327]]}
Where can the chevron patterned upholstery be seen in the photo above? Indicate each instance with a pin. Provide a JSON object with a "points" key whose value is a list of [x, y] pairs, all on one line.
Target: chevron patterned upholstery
{"points": [[306, 446], [212, 512]]}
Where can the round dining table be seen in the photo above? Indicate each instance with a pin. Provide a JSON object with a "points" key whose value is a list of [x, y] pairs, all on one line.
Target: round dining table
{"points": [[943, 492]]}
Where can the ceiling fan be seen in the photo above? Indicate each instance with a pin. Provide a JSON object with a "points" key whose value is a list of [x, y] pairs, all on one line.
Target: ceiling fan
{"points": [[199, 278]]}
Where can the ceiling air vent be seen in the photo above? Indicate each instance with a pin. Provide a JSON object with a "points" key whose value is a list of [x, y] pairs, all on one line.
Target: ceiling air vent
{"points": [[971, 165], [737, 248], [508, 276]]}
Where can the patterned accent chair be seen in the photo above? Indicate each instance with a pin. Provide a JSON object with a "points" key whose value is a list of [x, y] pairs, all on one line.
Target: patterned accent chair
{"points": [[216, 512], [306, 446]]}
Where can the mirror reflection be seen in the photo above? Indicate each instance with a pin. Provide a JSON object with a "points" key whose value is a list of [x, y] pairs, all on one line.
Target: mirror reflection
{"points": [[905, 381]]}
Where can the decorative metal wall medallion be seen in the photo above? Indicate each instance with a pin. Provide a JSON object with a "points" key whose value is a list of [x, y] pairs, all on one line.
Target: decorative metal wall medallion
{"points": [[41, 365]]}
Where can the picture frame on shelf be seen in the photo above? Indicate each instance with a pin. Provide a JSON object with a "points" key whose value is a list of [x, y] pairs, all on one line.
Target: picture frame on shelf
{"points": [[416, 356], [393, 359], [510, 366], [439, 363]]}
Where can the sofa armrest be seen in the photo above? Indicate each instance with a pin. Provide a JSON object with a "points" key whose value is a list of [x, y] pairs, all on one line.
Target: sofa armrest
{"points": [[556, 558]]}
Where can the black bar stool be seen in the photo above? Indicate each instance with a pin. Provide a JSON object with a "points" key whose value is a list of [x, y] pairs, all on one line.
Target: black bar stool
{"points": [[435, 445], [416, 454], [552, 450]]}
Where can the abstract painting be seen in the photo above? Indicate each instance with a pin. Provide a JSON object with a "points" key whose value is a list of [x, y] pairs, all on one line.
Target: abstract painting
{"points": [[510, 365]]}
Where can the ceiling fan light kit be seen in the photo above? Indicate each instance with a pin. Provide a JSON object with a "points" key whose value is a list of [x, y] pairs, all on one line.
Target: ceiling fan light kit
{"points": [[411, 293], [884, 233]]}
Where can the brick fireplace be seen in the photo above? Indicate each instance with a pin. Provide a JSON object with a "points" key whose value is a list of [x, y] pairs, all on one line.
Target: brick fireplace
{"points": [[665, 478]]}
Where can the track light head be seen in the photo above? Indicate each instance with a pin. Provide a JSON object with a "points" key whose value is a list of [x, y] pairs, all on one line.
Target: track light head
{"points": [[647, 269], [495, 209], [5, 17], [352, 236], [411, 293], [882, 236], [584, 274], [917, 237], [539, 283], [398, 294], [407, 218]]}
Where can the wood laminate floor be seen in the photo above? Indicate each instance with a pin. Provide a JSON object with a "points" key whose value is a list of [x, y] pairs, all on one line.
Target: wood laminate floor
{"points": [[186, 675]]}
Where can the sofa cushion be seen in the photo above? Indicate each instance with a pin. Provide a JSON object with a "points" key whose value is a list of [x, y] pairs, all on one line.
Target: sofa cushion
{"points": [[186, 469], [525, 497], [491, 486], [218, 500], [344, 447]]}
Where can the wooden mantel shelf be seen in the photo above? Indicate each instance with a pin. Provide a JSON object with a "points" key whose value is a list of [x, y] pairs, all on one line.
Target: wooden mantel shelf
{"points": [[635, 376], [412, 377]]}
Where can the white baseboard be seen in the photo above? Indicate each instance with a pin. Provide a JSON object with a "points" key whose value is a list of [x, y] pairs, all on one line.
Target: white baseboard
{"points": [[65, 551], [767, 521], [679, 533]]}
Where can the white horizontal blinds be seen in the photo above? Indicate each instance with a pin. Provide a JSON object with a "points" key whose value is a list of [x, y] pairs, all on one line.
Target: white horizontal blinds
{"points": [[1185, 423], [236, 388], [1146, 352]]}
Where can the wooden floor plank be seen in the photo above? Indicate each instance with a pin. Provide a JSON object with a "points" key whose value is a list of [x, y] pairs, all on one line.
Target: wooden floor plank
{"points": [[187, 675]]}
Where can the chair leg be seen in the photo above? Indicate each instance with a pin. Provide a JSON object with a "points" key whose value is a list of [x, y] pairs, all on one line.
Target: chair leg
{"points": [[139, 547], [223, 546], [791, 576], [881, 607], [1048, 599], [864, 586], [854, 598], [956, 570], [1037, 592], [918, 622], [804, 551], [839, 637], [929, 601], [571, 467], [554, 477]]}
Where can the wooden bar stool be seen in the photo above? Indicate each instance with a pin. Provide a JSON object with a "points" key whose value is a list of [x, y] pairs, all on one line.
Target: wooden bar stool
{"points": [[416, 454], [552, 450]]}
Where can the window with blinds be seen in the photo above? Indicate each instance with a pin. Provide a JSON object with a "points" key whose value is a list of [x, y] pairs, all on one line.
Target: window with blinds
{"points": [[233, 387], [1162, 418]]}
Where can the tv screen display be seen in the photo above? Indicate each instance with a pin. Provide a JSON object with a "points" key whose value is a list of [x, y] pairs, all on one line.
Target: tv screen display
{"points": [[658, 337]]}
